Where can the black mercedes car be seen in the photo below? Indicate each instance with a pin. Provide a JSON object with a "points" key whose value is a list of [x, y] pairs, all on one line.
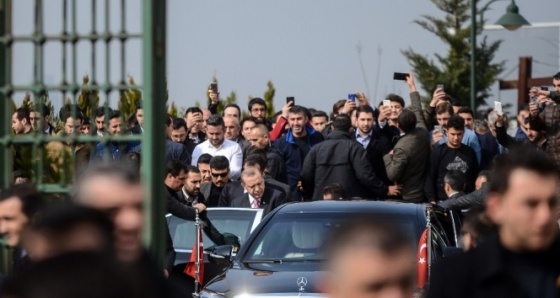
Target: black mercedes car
{"points": [[282, 257]]}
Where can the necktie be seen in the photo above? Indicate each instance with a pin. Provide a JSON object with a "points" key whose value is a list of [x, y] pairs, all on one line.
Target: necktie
{"points": [[255, 204]]}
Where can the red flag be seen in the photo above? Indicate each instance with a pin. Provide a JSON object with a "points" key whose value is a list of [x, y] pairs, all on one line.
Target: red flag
{"points": [[422, 268], [190, 269]]}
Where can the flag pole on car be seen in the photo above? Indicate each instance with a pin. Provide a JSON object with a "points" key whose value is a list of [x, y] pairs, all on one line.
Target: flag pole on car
{"points": [[195, 266]]}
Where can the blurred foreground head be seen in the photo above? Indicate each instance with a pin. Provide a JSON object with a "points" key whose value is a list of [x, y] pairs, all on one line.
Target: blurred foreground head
{"points": [[523, 200], [369, 258], [115, 190], [19, 205]]}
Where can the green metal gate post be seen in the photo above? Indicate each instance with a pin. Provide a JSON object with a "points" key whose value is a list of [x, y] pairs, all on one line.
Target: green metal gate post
{"points": [[153, 150], [6, 113]]}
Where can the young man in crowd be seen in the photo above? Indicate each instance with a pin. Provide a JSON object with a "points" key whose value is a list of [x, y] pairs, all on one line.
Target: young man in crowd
{"points": [[452, 155]]}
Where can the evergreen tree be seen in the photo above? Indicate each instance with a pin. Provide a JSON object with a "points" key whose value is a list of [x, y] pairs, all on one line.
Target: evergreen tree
{"points": [[88, 100], [269, 99], [453, 70]]}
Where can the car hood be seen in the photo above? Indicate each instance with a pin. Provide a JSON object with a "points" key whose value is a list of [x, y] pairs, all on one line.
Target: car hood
{"points": [[265, 279]]}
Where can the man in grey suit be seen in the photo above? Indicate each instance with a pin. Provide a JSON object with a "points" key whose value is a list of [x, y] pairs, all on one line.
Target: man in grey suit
{"points": [[258, 195], [406, 163]]}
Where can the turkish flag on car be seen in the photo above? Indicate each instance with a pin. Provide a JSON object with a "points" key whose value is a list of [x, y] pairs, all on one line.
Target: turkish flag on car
{"points": [[422, 267], [190, 269]]}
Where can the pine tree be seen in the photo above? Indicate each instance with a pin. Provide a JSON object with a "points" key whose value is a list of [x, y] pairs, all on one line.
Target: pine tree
{"points": [[269, 98], [453, 70], [88, 100]]}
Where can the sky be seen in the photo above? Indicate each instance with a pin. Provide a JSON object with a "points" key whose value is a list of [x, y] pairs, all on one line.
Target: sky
{"points": [[307, 48]]}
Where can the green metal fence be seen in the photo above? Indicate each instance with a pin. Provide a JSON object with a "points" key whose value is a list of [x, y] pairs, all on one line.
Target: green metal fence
{"points": [[153, 59]]}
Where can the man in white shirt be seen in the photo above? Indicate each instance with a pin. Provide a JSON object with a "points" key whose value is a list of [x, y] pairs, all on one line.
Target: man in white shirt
{"points": [[216, 144]]}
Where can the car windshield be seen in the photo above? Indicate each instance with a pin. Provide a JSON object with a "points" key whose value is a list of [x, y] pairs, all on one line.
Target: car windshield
{"points": [[236, 222], [300, 237]]}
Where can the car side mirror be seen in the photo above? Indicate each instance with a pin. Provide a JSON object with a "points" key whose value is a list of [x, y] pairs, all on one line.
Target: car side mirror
{"points": [[450, 250], [222, 254]]}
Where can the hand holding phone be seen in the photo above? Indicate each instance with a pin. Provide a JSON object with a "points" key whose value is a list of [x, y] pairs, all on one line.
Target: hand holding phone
{"points": [[400, 76], [440, 86], [498, 108], [387, 103], [352, 97], [214, 87], [292, 99]]}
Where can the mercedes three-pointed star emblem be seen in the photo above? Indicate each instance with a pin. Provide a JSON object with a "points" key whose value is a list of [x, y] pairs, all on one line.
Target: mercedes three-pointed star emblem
{"points": [[302, 282]]}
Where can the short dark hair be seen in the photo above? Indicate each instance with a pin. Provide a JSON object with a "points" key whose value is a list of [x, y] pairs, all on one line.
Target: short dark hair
{"points": [[66, 112], [335, 190], [23, 113], [31, 200], [556, 76], [175, 167], [256, 101], [100, 111], [219, 162], [466, 110], [365, 109], [204, 159], [455, 179], [253, 159], [43, 109], [215, 120], [520, 157], [114, 170], [114, 114], [337, 106], [192, 169], [456, 122], [381, 235], [342, 123], [477, 224], [298, 110], [444, 108], [231, 105], [248, 119], [178, 123], [407, 120], [193, 110], [133, 160], [395, 98], [319, 114]]}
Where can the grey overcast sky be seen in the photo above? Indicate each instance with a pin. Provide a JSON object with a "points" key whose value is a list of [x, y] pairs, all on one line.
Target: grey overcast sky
{"points": [[307, 48]]}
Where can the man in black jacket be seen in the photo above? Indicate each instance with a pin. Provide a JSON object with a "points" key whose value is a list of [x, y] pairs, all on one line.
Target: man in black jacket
{"points": [[177, 176], [452, 155], [325, 165], [522, 259]]}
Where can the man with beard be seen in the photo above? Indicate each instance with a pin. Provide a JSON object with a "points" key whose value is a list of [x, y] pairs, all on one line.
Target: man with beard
{"points": [[219, 170], [295, 145], [179, 175], [260, 139]]}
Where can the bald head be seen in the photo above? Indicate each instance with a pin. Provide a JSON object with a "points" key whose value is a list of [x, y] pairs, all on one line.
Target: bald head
{"points": [[232, 128], [259, 137]]}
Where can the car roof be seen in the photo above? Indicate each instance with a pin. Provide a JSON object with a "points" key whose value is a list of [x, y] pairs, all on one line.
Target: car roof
{"points": [[358, 206]]}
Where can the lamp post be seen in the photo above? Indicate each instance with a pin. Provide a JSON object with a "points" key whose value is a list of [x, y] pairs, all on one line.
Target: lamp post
{"points": [[512, 20]]}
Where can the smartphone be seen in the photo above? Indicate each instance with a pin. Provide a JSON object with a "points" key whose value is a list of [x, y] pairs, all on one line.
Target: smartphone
{"points": [[544, 88], [498, 108], [440, 86], [292, 99], [352, 97], [438, 128], [400, 76], [214, 87], [387, 103]]}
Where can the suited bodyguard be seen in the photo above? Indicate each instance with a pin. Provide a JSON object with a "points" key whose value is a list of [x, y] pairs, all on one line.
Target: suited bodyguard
{"points": [[343, 160], [258, 195]]}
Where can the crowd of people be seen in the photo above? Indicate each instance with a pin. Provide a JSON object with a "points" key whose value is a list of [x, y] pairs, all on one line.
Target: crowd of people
{"points": [[440, 154]]}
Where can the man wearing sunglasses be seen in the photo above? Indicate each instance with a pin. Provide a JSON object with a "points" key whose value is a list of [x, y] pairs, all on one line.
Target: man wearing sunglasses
{"points": [[219, 171]]}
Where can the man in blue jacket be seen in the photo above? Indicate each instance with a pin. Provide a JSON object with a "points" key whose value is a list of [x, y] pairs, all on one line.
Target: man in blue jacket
{"points": [[295, 145]]}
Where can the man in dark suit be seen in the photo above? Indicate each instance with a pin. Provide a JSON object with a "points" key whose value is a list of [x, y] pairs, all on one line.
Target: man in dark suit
{"points": [[19, 204], [454, 184], [258, 195], [234, 189], [177, 176], [521, 259], [219, 170]]}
